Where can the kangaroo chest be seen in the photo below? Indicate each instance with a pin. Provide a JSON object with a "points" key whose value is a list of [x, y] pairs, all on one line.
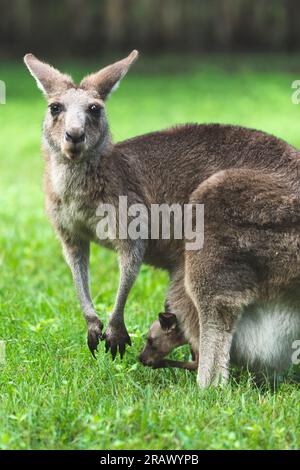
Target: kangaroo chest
{"points": [[77, 218]]}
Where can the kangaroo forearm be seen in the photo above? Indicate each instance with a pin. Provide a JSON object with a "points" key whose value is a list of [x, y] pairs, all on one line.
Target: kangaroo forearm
{"points": [[77, 257], [116, 335], [82, 288], [130, 264]]}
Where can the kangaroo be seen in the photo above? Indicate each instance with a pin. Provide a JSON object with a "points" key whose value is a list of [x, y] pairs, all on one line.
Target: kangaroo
{"points": [[163, 337], [247, 180], [262, 343]]}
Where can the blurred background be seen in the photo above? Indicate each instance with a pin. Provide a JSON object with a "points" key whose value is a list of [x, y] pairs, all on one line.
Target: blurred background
{"points": [[94, 27]]}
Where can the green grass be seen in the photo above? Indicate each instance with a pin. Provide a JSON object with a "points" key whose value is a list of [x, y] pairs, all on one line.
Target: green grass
{"points": [[52, 393]]}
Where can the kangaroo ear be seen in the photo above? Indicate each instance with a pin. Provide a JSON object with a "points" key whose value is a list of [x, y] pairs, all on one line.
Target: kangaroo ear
{"points": [[168, 321], [107, 80], [48, 79]]}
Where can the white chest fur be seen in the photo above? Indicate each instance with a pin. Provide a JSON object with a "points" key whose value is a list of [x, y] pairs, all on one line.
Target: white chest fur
{"points": [[74, 214], [264, 337]]}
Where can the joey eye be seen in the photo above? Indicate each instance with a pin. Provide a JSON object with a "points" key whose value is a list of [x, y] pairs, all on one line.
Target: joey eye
{"points": [[95, 110], [55, 109]]}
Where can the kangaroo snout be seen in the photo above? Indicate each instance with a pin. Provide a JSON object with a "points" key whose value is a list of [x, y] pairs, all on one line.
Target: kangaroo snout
{"points": [[75, 137], [74, 143], [145, 360]]}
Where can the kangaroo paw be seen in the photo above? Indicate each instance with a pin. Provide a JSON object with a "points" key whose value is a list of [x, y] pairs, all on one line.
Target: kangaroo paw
{"points": [[94, 335], [116, 340]]}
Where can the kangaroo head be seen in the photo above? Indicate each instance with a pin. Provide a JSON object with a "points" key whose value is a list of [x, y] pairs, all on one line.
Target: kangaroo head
{"points": [[76, 126], [163, 336]]}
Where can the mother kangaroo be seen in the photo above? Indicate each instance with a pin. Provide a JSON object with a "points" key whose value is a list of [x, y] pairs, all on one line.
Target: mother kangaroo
{"points": [[247, 180]]}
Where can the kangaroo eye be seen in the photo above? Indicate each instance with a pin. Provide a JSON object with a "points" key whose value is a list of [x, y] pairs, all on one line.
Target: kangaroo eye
{"points": [[95, 110], [55, 109]]}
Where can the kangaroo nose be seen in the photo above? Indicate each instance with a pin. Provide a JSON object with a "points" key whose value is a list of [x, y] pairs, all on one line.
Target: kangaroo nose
{"points": [[75, 137], [144, 360]]}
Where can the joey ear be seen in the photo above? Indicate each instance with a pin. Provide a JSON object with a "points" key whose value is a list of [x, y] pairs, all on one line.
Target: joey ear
{"points": [[107, 80], [168, 321], [48, 79]]}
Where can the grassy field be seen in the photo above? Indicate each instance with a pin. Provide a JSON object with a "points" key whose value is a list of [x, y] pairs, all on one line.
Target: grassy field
{"points": [[52, 393]]}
